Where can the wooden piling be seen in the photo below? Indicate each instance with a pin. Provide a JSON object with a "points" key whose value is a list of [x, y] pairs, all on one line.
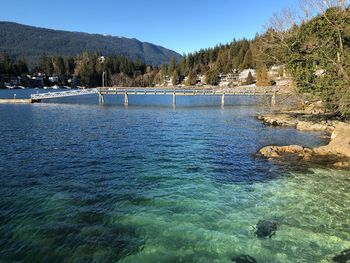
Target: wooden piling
{"points": [[126, 99]]}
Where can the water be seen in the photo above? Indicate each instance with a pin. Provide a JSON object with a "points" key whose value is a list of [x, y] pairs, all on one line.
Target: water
{"points": [[87, 183]]}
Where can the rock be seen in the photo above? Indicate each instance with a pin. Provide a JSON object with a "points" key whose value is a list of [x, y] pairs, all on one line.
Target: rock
{"points": [[290, 120], [277, 151], [342, 164], [340, 142], [265, 228], [337, 151], [315, 108], [343, 257], [270, 152], [244, 259], [278, 120], [311, 126]]}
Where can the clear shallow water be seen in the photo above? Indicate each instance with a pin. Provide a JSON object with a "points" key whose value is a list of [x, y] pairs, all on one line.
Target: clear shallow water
{"points": [[90, 183]]}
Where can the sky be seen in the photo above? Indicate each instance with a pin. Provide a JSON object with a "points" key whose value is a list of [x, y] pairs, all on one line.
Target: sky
{"points": [[182, 25]]}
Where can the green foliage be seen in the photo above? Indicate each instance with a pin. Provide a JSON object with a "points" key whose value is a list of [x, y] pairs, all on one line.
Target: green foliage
{"points": [[9, 66], [224, 58], [212, 77], [323, 43]]}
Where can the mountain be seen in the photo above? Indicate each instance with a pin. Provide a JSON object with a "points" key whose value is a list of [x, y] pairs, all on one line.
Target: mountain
{"points": [[32, 42]]}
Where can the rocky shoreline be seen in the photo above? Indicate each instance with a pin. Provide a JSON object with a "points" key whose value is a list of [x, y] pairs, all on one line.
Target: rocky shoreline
{"points": [[336, 153]]}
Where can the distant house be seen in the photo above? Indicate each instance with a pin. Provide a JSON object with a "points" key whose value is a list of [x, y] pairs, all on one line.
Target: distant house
{"points": [[15, 80], [276, 71], [201, 79], [229, 79], [39, 78], [54, 79], [168, 81], [244, 74], [284, 82], [73, 81]]}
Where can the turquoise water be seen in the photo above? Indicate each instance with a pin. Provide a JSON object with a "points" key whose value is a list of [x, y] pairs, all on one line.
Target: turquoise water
{"points": [[90, 183]]}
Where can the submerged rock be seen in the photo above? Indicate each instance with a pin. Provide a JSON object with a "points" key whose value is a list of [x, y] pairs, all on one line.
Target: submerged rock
{"points": [[265, 228], [244, 259], [343, 257]]}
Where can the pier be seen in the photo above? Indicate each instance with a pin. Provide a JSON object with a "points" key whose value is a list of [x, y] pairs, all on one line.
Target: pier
{"points": [[173, 91]]}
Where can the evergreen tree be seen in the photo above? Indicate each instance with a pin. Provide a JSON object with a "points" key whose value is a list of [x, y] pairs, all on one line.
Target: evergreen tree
{"points": [[6, 64], [250, 79], [248, 60], [262, 76], [212, 77], [175, 78], [59, 66], [20, 67], [69, 65], [46, 65], [191, 79], [172, 65]]}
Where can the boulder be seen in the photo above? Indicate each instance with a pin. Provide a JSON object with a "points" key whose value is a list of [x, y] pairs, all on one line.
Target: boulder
{"points": [[278, 120], [278, 151], [340, 142], [300, 123], [315, 108], [337, 151], [343, 257], [265, 228], [311, 126]]}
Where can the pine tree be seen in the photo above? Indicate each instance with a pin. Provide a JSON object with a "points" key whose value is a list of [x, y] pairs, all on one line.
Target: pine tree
{"points": [[212, 77], [59, 66], [250, 79], [21, 67], [192, 78], [172, 66], [175, 78], [248, 60], [262, 76]]}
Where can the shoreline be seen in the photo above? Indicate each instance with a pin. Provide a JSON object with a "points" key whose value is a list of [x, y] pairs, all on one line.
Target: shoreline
{"points": [[336, 153]]}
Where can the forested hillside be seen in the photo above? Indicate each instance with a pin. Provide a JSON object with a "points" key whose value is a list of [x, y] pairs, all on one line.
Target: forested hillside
{"points": [[32, 42]]}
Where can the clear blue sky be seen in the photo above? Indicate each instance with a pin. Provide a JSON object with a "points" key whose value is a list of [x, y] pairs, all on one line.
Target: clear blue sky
{"points": [[181, 25]]}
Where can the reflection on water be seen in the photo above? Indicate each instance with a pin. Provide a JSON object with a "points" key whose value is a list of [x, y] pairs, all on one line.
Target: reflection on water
{"points": [[85, 183]]}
